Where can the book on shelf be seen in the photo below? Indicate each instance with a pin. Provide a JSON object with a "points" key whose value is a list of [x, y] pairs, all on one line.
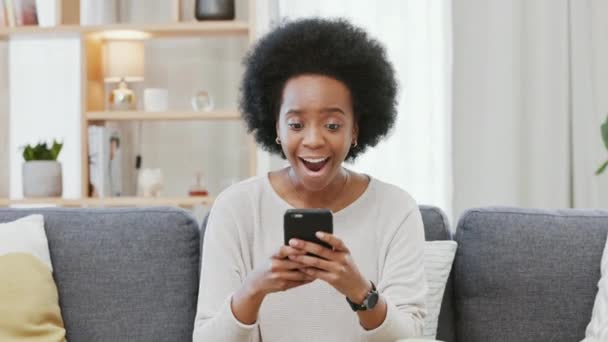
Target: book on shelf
{"points": [[18, 13], [3, 22], [9, 13], [105, 162]]}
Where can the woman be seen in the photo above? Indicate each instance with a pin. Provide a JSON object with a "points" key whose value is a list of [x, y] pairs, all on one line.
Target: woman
{"points": [[317, 92]]}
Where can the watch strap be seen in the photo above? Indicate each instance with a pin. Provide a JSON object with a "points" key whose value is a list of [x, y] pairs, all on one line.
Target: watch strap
{"points": [[369, 302]]}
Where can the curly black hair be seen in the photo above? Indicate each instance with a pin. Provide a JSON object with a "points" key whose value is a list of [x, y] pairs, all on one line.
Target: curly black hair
{"points": [[329, 47]]}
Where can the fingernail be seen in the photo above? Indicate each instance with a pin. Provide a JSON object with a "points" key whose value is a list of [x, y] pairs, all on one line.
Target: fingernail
{"points": [[320, 235], [293, 242]]}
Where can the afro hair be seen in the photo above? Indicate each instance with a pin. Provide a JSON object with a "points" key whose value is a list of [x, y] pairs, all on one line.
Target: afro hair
{"points": [[333, 48]]}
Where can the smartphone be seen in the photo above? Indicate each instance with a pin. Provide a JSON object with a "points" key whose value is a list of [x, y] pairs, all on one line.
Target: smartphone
{"points": [[304, 223]]}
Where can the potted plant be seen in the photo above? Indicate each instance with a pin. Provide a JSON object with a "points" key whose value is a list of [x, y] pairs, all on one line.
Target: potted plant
{"points": [[41, 170]]}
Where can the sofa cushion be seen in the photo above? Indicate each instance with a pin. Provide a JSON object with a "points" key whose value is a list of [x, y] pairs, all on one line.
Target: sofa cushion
{"points": [[123, 274], [29, 303], [438, 260], [527, 275], [436, 227]]}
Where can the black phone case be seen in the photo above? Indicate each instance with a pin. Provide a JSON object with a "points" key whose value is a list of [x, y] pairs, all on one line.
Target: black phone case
{"points": [[304, 223]]}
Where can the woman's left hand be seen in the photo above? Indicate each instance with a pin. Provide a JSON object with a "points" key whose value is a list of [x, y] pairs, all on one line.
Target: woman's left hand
{"points": [[338, 269]]}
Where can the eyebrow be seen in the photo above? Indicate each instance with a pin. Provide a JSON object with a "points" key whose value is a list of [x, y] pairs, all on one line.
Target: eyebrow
{"points": [[324, 110]]}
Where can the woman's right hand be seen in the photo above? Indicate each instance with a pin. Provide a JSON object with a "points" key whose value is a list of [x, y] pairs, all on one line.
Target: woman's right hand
{"points": [[277, 274]]}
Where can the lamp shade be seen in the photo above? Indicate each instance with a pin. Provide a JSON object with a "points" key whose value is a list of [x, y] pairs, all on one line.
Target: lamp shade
{"points": [[123, 59]]}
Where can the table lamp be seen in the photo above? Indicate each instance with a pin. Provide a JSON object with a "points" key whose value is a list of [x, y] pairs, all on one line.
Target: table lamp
{"points": [[124, 62]]}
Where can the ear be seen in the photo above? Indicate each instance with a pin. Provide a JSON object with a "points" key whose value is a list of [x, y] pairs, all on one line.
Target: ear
{"points": [[355, 132], [277, 126]]}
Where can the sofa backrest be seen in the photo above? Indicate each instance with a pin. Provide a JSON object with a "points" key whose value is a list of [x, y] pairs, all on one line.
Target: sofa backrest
{"points": [[527, 275], [123, 274]]}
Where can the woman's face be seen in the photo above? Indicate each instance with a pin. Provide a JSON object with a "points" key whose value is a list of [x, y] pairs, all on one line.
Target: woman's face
{"points": [[316, 126]]}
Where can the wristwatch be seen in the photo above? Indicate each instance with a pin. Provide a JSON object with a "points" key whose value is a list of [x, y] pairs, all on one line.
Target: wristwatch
{"points": [[369, 302]]}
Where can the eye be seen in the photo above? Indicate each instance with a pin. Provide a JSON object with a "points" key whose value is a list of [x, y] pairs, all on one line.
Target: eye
{"points": [[294, 125], [333, 126]]}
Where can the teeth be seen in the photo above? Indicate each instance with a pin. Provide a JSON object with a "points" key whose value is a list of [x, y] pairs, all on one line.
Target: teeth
{"points": [[317, 160]]}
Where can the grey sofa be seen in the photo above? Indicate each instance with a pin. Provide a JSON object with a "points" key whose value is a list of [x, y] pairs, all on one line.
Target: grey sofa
{"points": [[519, 275], [522, 275], [123, 274]]}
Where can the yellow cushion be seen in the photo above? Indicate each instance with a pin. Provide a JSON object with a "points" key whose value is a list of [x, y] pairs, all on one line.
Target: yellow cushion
{"points": [[29, 303]]}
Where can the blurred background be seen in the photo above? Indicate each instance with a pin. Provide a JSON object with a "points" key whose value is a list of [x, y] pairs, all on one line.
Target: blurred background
{"points": [[500, 100]]}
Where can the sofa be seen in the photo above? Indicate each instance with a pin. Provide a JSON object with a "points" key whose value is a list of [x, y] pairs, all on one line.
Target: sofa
{"points": [[519, 275], [522, 275]]}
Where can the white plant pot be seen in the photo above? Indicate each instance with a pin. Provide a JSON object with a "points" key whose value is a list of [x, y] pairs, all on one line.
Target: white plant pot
{"points": [[42, 178]]}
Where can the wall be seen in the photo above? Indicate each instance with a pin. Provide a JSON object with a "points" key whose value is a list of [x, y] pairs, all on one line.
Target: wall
{"points": [[4, 133], [45, 104]]}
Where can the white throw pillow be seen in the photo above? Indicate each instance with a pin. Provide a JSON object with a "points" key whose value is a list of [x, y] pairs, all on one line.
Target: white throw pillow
{"points": [[597, 330], [29, 301], [26, 235], [438, 259]]}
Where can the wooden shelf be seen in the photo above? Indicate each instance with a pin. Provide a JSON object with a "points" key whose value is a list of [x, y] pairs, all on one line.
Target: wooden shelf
{"points": [[164, 116], [230, 27], [111, 202]]}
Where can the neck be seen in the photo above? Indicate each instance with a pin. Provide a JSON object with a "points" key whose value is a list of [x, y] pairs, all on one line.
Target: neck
{"points": [[323, 198]]}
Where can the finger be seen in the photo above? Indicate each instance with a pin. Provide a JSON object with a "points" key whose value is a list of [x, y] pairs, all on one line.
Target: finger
{"points": [[291, 284], [315, 262], [333, 240], [285, 265], [285, 251], [291, 276], [328, 277], [312, 247]]}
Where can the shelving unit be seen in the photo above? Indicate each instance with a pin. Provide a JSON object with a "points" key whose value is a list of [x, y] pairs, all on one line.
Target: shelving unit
{"points": [[185, 29], [93, 89], [185, 202], [163, 116]]}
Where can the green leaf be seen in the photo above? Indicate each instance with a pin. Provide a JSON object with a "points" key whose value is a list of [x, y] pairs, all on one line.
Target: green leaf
{"points": [[604, 130], [55, 150], [602, 168], [41, 151], [28, 153]]}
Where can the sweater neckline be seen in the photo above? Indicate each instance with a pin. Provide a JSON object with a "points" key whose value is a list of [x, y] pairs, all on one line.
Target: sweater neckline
{"points": [[344, 211]]}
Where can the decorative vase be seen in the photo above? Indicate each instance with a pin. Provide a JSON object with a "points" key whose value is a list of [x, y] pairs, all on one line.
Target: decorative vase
{"points": [[42, 178], [214, 10]]}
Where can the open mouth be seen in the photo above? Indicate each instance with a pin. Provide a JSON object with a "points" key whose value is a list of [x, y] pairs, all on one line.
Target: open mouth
{"points": [[315, 164]]}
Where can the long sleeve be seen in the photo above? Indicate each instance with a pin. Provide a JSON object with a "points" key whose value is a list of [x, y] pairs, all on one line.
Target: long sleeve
{"points": [[403, 283], [222, 273]]}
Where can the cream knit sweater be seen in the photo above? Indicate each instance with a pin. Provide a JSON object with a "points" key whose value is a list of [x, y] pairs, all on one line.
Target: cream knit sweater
{"points": [[383, 230]]}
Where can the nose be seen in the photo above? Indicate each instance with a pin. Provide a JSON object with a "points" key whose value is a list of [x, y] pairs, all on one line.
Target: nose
{"points": [[313, 138]]}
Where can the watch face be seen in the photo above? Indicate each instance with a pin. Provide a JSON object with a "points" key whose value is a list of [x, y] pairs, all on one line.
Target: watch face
{"points": [[372, 300]]}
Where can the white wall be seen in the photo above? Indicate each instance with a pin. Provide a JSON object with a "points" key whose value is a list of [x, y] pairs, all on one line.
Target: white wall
{"points": [[45, 104], [4, 111], [4, 166]]}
